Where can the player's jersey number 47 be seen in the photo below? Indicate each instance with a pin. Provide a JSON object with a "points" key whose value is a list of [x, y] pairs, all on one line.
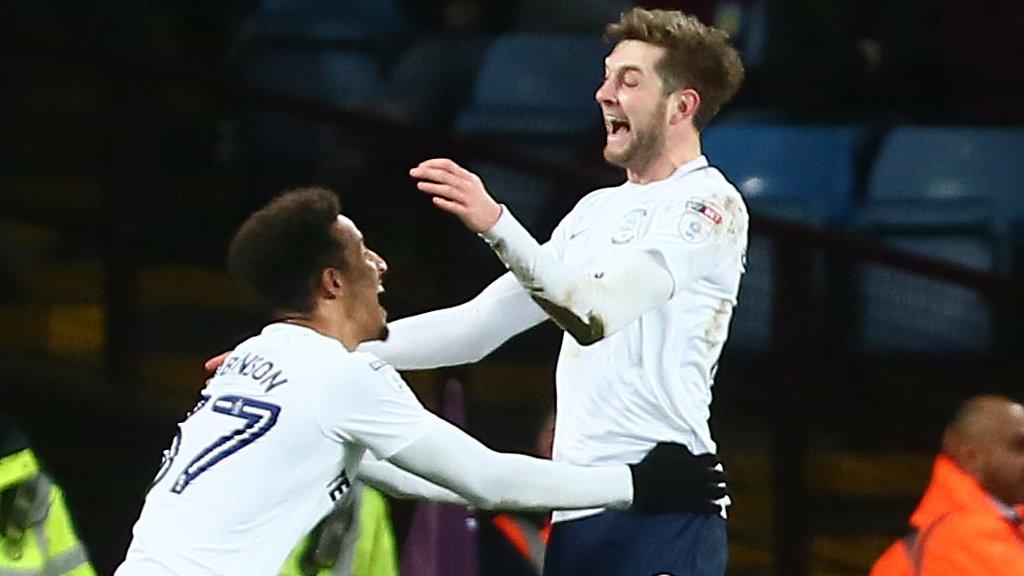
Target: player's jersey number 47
{"points": [[258, 418]]}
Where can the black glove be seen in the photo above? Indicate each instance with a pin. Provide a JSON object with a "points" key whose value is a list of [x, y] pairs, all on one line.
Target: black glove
{"points": [[671, 479]]}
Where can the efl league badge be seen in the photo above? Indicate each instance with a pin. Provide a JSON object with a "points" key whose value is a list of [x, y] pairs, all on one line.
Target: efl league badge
{"points": [[630, 226], [698, 222]]}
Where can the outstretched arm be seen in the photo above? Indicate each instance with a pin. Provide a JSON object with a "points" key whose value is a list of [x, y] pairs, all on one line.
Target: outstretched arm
{"points": [[461, 334], [668, 479], [449, 457], [587, 307], [398, 483], [372, 406]]}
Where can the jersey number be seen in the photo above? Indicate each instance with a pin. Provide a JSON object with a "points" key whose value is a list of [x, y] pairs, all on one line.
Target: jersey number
{"points": [[259, 418]]}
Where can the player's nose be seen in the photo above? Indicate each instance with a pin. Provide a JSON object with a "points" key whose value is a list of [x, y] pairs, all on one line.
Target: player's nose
{"points": [[605, 94], [382, 265]]}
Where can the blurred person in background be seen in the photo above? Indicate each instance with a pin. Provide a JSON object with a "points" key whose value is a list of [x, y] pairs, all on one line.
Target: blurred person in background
{"points": [[36, 534], [969, 522], [643, 279], [514, 543], [354, 539]]}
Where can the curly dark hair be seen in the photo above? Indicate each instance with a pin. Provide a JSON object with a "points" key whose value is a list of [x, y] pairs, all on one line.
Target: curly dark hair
{"points": [[280, 251], [697, 56]]}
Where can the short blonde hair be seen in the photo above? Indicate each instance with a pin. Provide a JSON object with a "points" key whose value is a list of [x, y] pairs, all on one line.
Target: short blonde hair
{"points": [[697, 56]]}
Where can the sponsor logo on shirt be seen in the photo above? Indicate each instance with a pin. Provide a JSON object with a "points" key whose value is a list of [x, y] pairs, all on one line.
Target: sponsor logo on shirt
{"points": [[699, 220], [630, 226], [705, 210]]}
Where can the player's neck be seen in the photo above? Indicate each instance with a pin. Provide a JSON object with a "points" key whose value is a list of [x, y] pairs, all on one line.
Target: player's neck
{"points": [[672, 157], [326, 323]]}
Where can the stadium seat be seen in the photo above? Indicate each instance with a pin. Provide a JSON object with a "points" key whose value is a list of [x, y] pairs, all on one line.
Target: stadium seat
{"points": [[431, 79], [801, 173], [534, 94], [568, 15], [367, 23], [536, 84], [340, 78], [947, 193], [805, 173]]}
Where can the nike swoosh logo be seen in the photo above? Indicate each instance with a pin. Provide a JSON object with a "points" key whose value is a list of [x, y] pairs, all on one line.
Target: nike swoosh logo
{"points": [[577, 233]]}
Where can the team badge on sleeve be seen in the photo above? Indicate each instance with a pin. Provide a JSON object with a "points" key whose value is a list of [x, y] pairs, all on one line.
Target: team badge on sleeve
{"points": [[699, 220]]}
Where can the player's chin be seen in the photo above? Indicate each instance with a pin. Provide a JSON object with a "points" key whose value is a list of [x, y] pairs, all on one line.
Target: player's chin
{"points": [[616, 156]]}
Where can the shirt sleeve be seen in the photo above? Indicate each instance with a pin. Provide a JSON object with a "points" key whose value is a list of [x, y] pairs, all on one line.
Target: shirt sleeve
{"points": [[693, 236], [427, 340], [368, 403]]}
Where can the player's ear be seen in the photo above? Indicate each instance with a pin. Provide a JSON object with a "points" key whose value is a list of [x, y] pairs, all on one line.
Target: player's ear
{"points": [[683, 104], [332, 283]]}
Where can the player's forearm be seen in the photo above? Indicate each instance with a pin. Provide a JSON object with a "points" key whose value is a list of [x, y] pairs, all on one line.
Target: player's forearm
{"points": [[459, 335], [396, 482], [491, 480], [586, 306]]}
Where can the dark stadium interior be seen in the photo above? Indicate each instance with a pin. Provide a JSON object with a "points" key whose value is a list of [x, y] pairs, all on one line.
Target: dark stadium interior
{"points": [[878, 145]]}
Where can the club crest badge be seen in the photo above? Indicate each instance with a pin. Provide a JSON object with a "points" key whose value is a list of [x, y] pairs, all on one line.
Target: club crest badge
{"points": [[630, 227]]}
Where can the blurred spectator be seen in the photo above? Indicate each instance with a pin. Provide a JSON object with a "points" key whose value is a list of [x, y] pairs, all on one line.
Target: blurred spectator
{"points": [[513, 543], [355, 539], [969, 521], [36, 534]]}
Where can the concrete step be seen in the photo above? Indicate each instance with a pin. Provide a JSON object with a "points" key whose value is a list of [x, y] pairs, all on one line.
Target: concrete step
{"points": [[71, 332], [870, 476], [57, 92], [161, 287], [61, 198], [845, 556], [55, 144]]}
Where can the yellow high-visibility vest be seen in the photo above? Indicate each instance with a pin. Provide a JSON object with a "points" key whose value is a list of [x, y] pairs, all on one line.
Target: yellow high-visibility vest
{"points": [[36, 536], [373, 553]]}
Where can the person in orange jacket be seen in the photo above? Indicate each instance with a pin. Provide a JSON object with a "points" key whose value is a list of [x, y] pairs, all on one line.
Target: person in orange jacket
{"points": [[970, 520]]}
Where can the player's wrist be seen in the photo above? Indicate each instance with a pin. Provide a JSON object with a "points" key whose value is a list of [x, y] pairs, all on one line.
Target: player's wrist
{"points": [[503, 222], [494, 212]]}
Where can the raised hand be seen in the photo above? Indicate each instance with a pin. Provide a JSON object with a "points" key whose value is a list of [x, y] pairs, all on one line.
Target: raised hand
{"points": [[458, 191]]}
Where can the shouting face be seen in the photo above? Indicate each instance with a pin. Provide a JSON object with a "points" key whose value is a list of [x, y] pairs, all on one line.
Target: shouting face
{"points": [[634, 105], [364, 272]]}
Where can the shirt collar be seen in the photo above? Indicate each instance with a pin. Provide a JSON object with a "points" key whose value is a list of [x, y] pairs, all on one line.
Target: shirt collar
{"points": [[692, 166]]}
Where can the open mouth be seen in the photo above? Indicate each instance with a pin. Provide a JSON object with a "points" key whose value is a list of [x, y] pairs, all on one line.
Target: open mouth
{"points": [[616, 126]]}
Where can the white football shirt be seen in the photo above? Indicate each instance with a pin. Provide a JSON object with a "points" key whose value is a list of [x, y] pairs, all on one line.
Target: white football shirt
{"points": [[274, 442], [650, 381]]}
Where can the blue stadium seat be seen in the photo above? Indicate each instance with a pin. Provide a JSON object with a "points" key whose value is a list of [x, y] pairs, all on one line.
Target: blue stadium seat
{"points": [[801, 173], [340, 78], [568, 15], [431, 78], [948, 193], [345, 22], [806, 173], [535, 84], [937, 163], [535, 93]]}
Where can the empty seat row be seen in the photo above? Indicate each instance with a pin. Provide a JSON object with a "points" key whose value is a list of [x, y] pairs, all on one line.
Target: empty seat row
{"points": [[949, 193]]}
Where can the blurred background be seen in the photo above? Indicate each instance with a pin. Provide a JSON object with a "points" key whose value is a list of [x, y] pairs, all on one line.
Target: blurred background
{"points": [[878, 145]]}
